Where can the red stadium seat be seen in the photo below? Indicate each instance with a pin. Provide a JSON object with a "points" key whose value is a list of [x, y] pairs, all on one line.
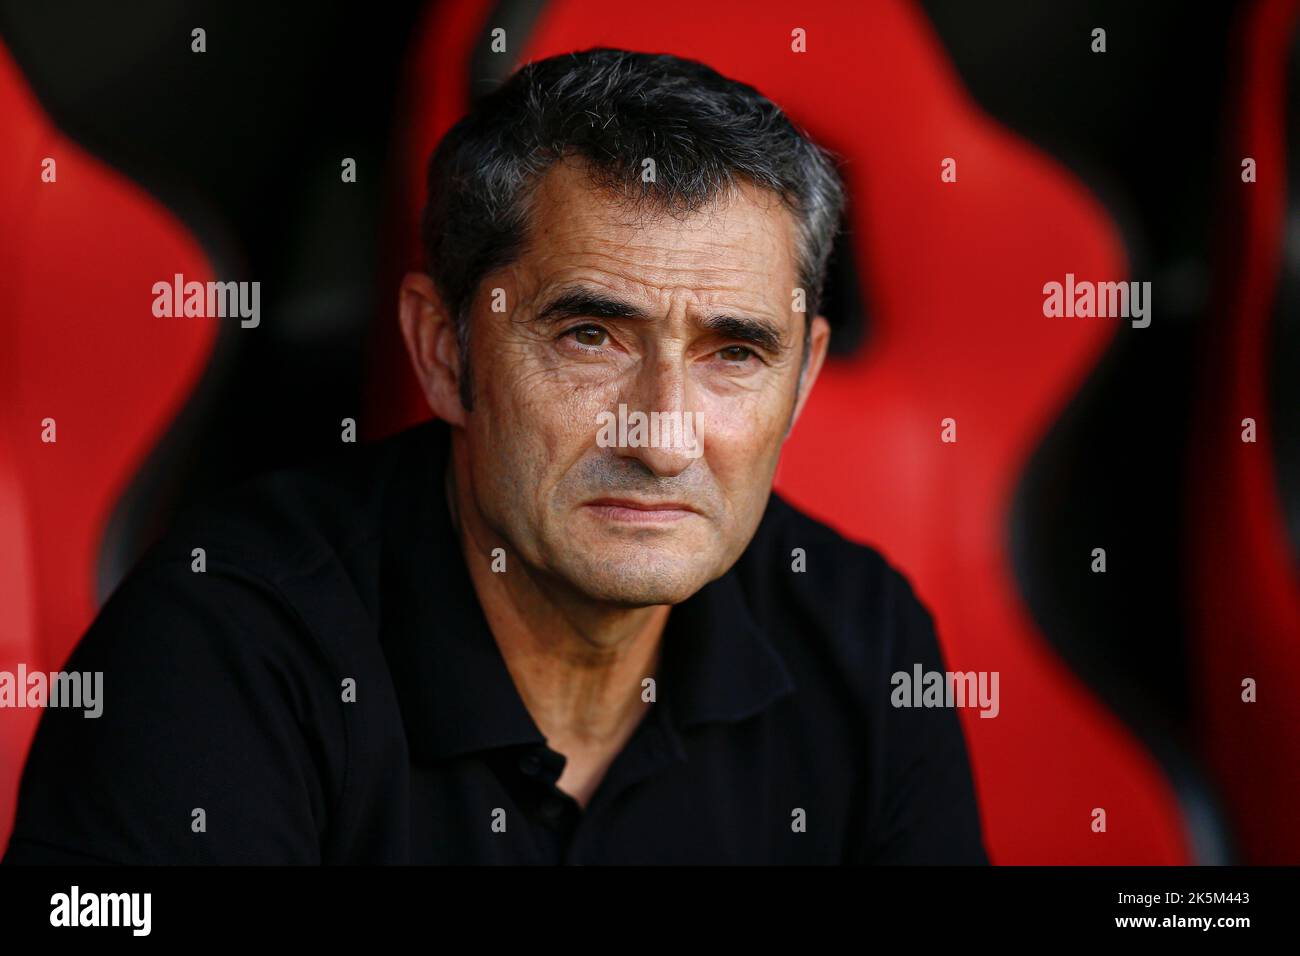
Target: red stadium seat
{"points": [[83, 348], [1245, 573], [955, 273]]}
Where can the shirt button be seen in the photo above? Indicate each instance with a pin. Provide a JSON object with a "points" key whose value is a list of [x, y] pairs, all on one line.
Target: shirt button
{"points": [[552, 809], [530, 764]]}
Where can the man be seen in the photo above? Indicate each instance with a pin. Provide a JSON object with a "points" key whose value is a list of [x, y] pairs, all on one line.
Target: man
{"points": [[538, 629]]}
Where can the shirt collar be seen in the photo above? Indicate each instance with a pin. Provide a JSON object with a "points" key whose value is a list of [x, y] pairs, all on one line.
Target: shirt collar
{"points": [[454, 689]]}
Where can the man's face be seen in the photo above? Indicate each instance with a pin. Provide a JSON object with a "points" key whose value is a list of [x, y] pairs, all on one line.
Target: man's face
{"points": [[661, 315]]}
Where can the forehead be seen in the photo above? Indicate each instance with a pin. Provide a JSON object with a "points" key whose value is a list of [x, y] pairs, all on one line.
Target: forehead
{"points": [[742, 242]]}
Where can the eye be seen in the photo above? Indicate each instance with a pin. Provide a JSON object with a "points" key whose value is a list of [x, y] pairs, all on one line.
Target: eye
{"points": [[589, 336], [736, 353]]}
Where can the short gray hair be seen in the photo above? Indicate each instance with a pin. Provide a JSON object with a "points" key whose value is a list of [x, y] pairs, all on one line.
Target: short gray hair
{"points": [[615, 109]]}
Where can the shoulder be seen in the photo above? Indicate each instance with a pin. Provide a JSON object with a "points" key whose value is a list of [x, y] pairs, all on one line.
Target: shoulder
{"points": [[199, 680], [841, 614], [250, 617], [288, 521], [268, 576], [798, 558], [848, 623]]}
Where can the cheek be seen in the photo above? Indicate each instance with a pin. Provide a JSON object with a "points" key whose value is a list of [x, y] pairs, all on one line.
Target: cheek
{"points": [[533, 431], [564, 410], [742, 441], [744, 431]]}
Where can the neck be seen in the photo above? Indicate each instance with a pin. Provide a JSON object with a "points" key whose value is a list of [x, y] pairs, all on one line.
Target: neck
{"points": [[578, 664]]}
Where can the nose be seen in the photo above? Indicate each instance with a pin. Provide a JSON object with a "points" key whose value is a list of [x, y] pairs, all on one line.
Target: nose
{"points": [[670, 434]]}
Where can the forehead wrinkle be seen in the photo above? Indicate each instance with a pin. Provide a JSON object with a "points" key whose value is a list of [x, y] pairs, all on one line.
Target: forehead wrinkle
{"points": [[657, 274], [581, 237], [568, 194]]}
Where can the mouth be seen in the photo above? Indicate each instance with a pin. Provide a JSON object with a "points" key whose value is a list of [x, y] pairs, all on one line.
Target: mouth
{"points": [[631, 511]]}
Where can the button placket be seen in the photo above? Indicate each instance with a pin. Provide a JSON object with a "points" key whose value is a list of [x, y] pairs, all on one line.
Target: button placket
{"points": [[530, 764]]}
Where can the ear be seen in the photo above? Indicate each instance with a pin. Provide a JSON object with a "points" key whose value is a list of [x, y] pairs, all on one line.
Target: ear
{"points": [[819, 342], [430, 335]]}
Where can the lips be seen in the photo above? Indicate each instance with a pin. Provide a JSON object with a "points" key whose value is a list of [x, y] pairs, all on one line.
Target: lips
{"points": [[645, 512], [641, 505]]}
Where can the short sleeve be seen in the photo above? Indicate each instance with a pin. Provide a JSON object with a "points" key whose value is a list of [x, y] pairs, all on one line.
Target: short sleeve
{"points": [[201, 752]]}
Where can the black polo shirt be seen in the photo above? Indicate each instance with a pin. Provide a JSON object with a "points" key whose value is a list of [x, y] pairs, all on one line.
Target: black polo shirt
{"points": [[327, 690]]}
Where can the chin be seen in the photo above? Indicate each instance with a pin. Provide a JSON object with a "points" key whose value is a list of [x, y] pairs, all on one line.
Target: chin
{"points": [[639, 580]]}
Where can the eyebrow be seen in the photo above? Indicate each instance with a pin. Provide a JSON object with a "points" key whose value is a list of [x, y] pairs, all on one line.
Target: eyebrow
{"points": [[743, 328], [587, 303]]}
